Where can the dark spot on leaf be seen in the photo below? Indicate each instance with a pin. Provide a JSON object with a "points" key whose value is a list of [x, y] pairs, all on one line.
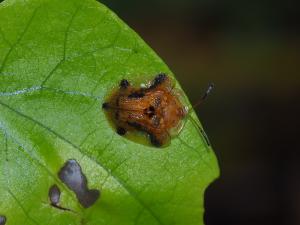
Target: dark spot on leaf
{"points": [[89, 198], [71, 174], [54, 197], [2, 220], [54, 194]]}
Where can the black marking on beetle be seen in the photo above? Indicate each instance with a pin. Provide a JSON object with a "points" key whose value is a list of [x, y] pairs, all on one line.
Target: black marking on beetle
{"points": [[136, 94], [105, 105], [157, 102], [135, 125], [121, 131], [118, 101], [154, 140], [117, 115], [124, 84], [2, 220], [159, 79], [71, 175], [155, 121], [151, 108], [150, 112]]}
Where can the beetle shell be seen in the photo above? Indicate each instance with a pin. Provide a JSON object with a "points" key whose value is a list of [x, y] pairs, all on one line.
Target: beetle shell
{"points": [[155, 110]]}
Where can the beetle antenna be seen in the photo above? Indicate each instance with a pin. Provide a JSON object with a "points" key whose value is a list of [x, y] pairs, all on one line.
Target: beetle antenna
{"points": [[204, 96], [194, 121]]}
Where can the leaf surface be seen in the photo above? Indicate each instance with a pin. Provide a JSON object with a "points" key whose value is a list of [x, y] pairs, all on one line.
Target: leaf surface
{"points": [[58, 61]]}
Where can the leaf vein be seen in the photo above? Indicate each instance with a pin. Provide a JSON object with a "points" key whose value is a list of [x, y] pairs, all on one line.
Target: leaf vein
{"points": [[119, 180], [64, 48], [20, 205], [18, 40], [4, 38], [32, 158]]}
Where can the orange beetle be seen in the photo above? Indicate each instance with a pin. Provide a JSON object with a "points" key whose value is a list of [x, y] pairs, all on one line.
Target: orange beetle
{"points": [[155, 110]]}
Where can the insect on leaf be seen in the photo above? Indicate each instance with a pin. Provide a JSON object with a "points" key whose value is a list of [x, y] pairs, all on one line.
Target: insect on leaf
{"points": [[61, 162]]}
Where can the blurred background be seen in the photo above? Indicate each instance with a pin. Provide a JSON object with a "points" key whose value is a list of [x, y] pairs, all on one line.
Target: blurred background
{"points": [[250, 50]]}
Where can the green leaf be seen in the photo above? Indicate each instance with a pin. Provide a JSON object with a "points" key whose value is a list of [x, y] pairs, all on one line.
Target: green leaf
{"points": [[58, 61]]}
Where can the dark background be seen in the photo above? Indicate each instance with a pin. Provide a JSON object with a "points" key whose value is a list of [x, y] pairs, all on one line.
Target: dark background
{"points": [[250, 50]]}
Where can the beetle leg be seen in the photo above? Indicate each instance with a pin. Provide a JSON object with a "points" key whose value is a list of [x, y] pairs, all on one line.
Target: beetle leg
{"points": [[121, 131], [124, 84], [154, 140]]}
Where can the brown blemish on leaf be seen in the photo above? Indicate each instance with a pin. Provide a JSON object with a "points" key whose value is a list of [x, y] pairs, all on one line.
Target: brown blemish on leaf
{"points": [[2, 220], [71, 175]]}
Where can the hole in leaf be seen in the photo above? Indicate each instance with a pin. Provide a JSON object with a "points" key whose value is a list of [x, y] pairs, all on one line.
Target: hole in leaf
{"points": [[2, 220], [54, 197], [71, 175], [54, 194]]}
